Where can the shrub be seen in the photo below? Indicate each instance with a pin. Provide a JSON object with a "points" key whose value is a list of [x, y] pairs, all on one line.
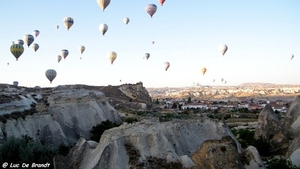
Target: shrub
{"points": [[99, 129], [131, 120], [275, 163], [25, 150]]}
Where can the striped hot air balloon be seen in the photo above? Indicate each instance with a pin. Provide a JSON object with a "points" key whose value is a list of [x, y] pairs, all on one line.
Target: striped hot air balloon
{"points": [[68, 22], [17, 50], [50, 74]]}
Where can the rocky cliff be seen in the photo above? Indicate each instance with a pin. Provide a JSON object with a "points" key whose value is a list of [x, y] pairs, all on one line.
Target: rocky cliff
{"points": [[151, 144], [269, 127], [53, 115]]}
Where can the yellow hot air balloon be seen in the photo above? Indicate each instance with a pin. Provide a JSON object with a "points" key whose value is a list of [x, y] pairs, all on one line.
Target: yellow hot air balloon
{"points": [[17, 50], [203, 70], [68, 22], [112, 56], [103, 3]]}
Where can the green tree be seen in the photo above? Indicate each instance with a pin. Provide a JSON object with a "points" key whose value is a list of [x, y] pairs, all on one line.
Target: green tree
{"points": [[99, 129], [189, 100], [24, 149]]}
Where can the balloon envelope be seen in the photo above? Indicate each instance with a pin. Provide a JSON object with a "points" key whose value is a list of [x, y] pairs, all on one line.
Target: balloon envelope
{"points": [[103, 3], [147, 55], [151, 9], [103, 28], [17, 50], [222, 49], [161, 2], [50, 74], [64, 53], [59, 58], [68, 22], [20, 41], [35, 46], [36, 33], [28, 39], [203, 70], [167, 65], [81, 49], [292, 56], [112, 56], [126, 20]]}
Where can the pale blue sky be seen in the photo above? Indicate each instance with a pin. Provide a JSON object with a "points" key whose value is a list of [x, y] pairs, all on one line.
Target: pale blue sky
{"points": [[260, 35]]}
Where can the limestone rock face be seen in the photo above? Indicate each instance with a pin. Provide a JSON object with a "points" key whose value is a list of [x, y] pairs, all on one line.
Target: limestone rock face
{"points": [[59, 115], [152, 144], [214, 154], [253, 159], [292, 114], [269, 127]]}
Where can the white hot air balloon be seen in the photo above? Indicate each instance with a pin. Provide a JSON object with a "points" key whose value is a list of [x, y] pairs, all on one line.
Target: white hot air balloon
{"points": [[222, 49], [112, 56], [35, 46], [126, 20], [58, 58], [167, 65], [50, 74], [103, 28], [81, 49]]}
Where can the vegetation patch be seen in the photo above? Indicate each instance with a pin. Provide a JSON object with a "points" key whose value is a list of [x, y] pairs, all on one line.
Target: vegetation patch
{"points": [[99, 129]]}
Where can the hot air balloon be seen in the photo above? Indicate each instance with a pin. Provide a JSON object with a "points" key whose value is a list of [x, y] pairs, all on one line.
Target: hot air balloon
{"points": [[15, 83], [152, 42], [7, 64], [225, 82], [151, 9], [28, 39], [161, 2], [81, 49], [222, 49], [68, 22], [292, 56], [147, 55], [56, 26], [35, 46], [103, 28], [17, 50], [103, 3], [126, 20], [59, 58], [213, 80], [64, 53], [203, 70], [112, 56], [222, 79], [50, 74], [20, 41], [167, 65], [36, 33]]}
